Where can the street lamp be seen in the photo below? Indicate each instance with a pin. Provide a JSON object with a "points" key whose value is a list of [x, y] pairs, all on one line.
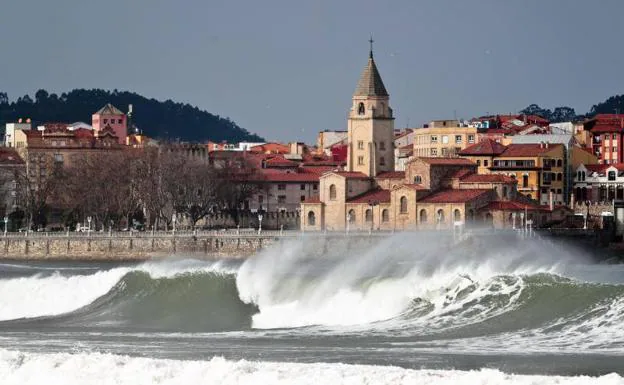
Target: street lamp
{"points": [[259, 223], [89, 228], [6, 221], [513, 221], [173, 220], [348, 221]]}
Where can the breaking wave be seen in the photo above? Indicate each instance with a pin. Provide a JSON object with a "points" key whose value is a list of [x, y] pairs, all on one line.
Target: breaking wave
{"points": [[419, 288]]}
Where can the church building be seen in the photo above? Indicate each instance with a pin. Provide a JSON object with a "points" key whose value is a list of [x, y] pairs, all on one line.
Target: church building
{"points": [[432, 193]]}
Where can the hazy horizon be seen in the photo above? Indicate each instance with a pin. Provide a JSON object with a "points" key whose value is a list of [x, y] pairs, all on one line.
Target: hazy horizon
{"points": [[286, 70]]}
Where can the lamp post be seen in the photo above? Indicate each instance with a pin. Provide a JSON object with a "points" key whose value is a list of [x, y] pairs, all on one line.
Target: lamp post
{"points": [[348, 221], [89, 228], [6, 221], [174, 218], [513, 221], [522, 221], [259, 223]]}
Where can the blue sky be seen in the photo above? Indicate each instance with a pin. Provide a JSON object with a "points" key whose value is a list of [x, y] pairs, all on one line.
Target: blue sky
{"points": [[287, 69]]}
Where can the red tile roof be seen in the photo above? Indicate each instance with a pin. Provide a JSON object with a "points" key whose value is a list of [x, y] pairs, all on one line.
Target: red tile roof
{"points": [[454, 196], [273, 148], [462, 173], [605, 123], [280, 162], [377, 195], [391, 175], [485, 147], [417, 187], [351, 174], [488, 178], [447, 161], [10, 157], [528, 150]]}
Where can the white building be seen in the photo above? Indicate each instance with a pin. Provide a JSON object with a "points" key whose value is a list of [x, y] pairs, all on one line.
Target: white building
{"points": [[9, 131]]}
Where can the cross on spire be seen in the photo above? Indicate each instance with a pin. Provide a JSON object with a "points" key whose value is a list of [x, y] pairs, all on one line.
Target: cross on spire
{"points": [[371, 41]]}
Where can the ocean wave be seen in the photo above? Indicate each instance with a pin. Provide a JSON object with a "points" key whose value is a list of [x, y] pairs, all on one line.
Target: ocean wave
{"points": [[17, 368]]}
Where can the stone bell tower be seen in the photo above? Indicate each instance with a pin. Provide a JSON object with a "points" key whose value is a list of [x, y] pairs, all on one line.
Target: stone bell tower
{"points": [[370, 124]]}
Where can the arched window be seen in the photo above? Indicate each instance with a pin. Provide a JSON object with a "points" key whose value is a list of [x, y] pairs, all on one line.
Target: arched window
{"points": [[368, 216], [332, 192], [403, 205], [559, 163], [423, 216], [504, 191], [440, 216], [417, 179], [471, 215], [457, 215], [311, 219], [559, 176], [385, 215], [361, 109], [351, 216], [525, 180], [583, 176]]}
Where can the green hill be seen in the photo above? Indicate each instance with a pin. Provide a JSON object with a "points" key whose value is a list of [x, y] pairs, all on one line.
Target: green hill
{"points": [[162, 120]]}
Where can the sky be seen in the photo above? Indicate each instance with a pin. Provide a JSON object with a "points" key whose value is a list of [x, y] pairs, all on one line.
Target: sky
{"points": [[286, 69]]}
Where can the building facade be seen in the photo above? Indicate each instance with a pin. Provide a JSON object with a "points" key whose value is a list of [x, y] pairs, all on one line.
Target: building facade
{"points": [[443, 138]]}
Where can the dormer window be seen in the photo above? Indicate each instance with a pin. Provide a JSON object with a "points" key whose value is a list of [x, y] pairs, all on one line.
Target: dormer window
{"points": [[611, 175], [361, 109]]}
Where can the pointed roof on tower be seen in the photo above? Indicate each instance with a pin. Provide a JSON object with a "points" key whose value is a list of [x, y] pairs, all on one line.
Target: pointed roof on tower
{"points": [[370, 83], [109, 109]]}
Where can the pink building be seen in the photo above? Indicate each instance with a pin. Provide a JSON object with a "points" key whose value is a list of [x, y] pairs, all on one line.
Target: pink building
{"points": [[110, 116]]}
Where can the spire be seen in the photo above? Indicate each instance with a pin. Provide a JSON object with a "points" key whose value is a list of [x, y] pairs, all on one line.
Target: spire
{"points": [[370, 83]]}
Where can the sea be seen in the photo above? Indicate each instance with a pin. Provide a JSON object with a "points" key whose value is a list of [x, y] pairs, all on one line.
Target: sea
{"points": [[408, 309]]}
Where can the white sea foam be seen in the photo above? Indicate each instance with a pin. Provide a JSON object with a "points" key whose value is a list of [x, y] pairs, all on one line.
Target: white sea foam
{"points": [[18, 368], [358, 289], [38, 295]]}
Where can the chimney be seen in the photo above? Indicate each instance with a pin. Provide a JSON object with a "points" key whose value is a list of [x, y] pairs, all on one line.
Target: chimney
{"points": [[551, 204]]}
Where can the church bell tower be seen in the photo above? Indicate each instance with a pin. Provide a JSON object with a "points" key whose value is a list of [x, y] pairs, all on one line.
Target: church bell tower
{"points": [[370, 124]]}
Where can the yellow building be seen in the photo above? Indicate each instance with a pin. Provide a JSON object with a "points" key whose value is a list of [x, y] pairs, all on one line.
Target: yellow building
{"points": [[443, 138], [539, 168]]}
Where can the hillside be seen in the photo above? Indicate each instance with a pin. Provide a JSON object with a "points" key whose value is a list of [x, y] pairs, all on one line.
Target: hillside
{"points": [[613, 105], [158, 119]]}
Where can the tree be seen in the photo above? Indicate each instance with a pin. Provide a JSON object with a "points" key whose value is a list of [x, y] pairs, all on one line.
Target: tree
{"points": [[534, 109], [563, 114]]}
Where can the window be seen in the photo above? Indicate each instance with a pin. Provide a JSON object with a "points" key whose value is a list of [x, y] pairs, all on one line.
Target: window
{"points": [[58, 158], [485, 162], [458, 139], [361, 109], [382, 161], [351, 216], [105, 121], [559, 163], [302, 187], [504, 191], [332, 192], [360, 144], [281, 199], [368, 215], [611, 175], [479, 162], [445, 152], [423, 216], [440, 215], [281, 187], [360, 160], [260, 199], [311, 219], [434, 139], [385, 216], [614, 136], [382, 146], [417, 179], [471, 139], [547, 177], [403, 205], [444, 139], [119, 121], [457, 215], [434, 152], [315, 186], [302, 198], [559, 176], [558, 191]]}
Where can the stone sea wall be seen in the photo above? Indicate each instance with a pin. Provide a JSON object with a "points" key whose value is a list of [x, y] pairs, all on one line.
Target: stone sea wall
{"points": [[129, 248]]}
